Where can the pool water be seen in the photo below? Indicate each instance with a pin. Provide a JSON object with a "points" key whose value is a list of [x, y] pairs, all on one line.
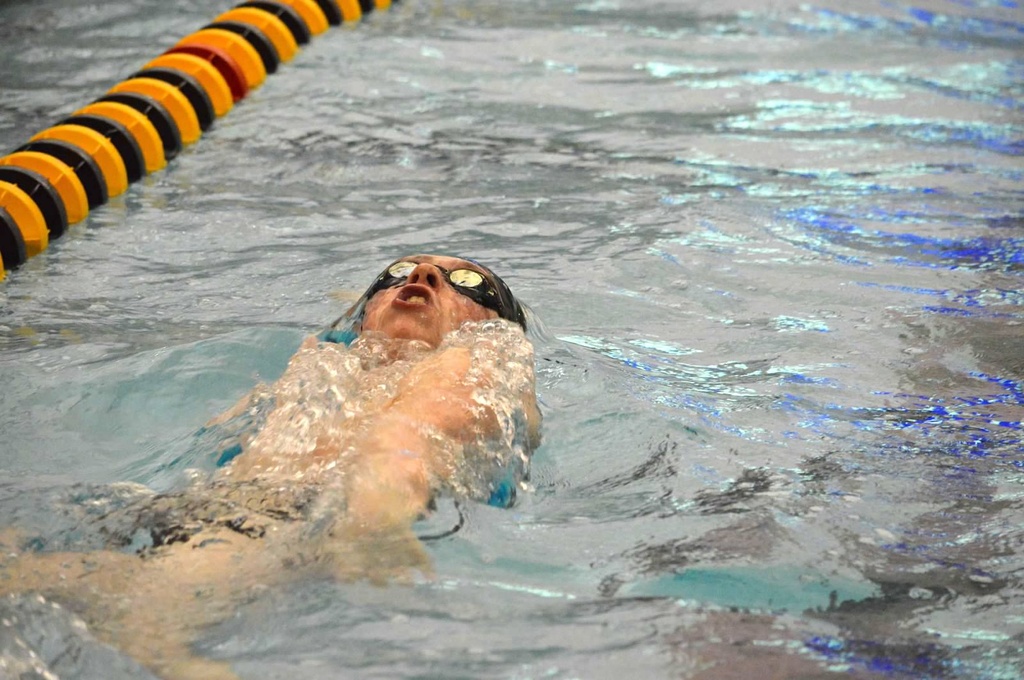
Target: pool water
{"points": [[777, 251]]}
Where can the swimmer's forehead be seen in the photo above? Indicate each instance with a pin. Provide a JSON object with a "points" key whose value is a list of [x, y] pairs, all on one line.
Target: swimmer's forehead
{"points": [[445, 261]]}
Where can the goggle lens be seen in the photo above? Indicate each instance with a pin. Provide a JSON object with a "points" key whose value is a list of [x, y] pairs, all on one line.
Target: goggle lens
{"points": [[464, 278], [401, 270], [467, 278]]}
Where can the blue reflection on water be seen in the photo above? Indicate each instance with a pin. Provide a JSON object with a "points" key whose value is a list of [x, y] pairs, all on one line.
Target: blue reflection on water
{"points": [[977, 253], [975, 297], [920, 662], [945, 26], [964, 426]]}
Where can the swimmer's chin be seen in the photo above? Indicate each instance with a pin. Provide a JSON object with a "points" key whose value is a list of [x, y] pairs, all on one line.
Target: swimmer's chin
{"points": [[406, 333]]}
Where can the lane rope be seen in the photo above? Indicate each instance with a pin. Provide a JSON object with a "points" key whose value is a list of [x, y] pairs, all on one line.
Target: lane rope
{"points": [[144, 121]]}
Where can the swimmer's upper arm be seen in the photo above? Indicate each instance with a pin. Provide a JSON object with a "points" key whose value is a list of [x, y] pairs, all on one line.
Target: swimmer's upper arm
{"points": [[437, 394]]}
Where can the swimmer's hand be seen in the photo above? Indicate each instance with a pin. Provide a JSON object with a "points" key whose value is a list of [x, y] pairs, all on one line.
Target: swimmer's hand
{"points": [[381, 557], [385, 494], [391, 487]]}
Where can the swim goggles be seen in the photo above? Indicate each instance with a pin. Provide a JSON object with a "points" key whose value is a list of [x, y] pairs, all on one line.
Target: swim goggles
{"points": [[476, 285], [483, 287]]}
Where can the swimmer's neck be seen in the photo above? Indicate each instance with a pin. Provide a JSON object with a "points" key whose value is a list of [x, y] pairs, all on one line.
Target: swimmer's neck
{"points": [[390, 350]]}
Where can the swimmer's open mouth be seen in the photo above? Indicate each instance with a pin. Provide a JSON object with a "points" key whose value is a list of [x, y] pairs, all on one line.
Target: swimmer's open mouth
{"points": [[413, 294]]}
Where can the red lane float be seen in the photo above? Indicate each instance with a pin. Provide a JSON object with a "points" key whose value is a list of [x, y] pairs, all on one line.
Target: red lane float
{"points": [[244, 54], [222, 61]]}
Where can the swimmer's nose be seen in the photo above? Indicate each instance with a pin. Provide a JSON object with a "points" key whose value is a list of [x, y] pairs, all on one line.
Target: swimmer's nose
{"points": [[426, 274]]}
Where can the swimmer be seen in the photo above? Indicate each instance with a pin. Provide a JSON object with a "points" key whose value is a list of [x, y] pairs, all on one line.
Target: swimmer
{"points": [[424, 387], [425, 381]]}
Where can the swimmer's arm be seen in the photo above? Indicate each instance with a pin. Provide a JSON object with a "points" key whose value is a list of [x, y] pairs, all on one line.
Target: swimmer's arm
{"points": [[389, 487], [437, 395], [400, 456]]}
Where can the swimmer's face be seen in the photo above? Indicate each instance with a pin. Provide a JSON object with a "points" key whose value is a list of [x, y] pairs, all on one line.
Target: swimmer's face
{"points": [[425, 306]]}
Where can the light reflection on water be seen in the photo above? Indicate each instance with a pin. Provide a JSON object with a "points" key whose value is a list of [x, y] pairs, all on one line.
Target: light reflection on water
{"points": [[778, 253]]}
